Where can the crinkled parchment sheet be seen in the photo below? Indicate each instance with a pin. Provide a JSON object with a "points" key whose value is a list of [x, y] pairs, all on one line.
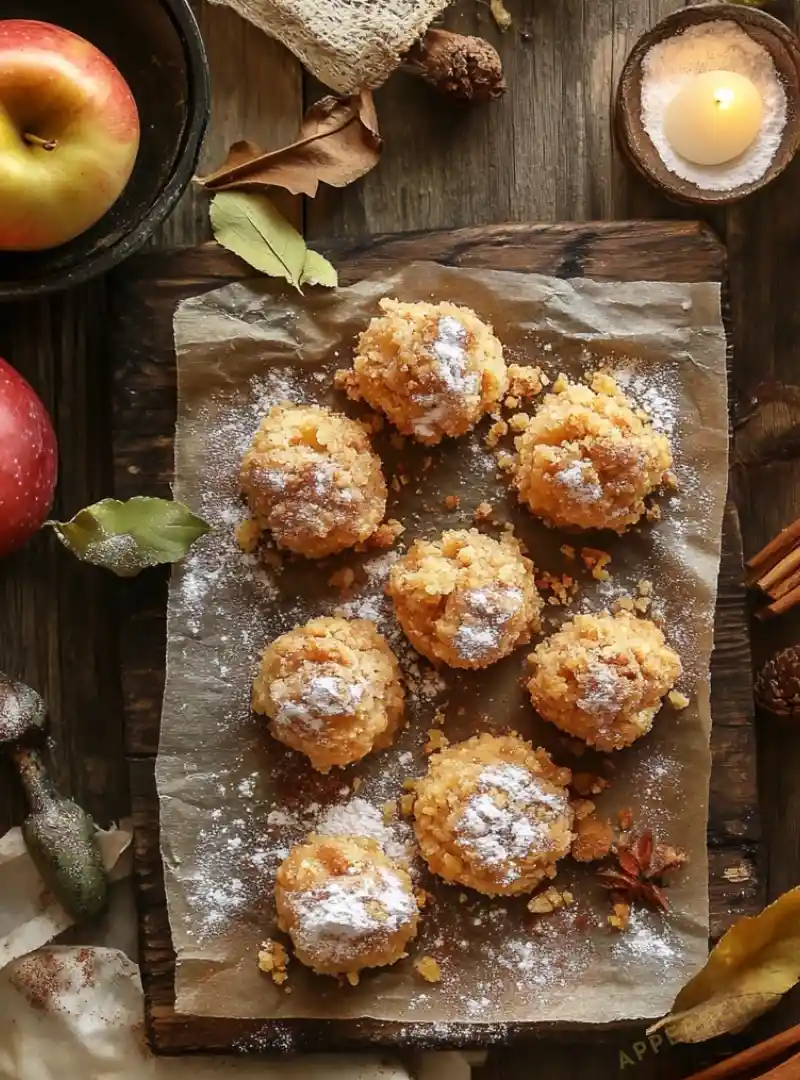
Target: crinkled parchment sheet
{"points": [[233, 800]]}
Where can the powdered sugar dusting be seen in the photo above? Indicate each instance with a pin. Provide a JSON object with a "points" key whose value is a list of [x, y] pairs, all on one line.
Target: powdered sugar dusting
{"points": [[314, 694], [357, 817], [454, 378], [575, 477], [485, 614], [347, 915], [509, 818], [603, 688]]}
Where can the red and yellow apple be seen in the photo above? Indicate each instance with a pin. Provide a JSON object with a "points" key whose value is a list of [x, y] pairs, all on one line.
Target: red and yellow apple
{"points": [[69, 135], [28, 460]]}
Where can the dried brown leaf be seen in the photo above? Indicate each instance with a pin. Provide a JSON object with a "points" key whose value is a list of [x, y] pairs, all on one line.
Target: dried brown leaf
{"points": [[338, 143], [753, 965]]}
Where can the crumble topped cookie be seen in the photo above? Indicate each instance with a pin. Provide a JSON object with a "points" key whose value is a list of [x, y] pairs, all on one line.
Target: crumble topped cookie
{"points": [[433, 369], [493, 814], [466, 600], [588, 458], [332, 690], [601, 678], [345, 905], [312, 479]]}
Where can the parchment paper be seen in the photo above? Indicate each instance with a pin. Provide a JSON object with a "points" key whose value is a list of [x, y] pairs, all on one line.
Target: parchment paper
{"points": [[233, 800]]}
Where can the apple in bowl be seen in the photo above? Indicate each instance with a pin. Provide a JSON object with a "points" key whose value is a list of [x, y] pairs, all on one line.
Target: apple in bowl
{"points": [[69, 135]]}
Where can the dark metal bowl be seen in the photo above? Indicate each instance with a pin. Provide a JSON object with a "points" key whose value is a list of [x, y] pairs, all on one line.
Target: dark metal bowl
{"points": [[156, 44]]}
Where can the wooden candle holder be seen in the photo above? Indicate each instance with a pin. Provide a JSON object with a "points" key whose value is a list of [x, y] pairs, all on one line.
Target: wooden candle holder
{"points": [[772, 34]]}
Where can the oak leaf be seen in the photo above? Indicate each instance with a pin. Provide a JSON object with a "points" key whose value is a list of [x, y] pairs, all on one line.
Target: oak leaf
{"points": [[752, 967], [338, 143]]}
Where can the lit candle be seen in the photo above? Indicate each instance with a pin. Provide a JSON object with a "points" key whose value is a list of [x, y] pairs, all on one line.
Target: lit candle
{"points": [[714, 118]]}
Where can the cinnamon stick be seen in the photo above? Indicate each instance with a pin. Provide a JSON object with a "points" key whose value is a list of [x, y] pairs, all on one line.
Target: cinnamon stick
{"points": [[782, 569], [760, 1054], [765, 559], [777, 607], [784, 586]]}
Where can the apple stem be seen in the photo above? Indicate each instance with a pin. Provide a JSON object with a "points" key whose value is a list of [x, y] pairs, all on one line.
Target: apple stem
{"points": [[35, 140]]}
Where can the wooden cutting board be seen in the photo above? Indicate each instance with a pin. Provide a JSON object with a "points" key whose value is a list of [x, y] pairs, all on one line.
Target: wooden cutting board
{"points": [[143, 296]]}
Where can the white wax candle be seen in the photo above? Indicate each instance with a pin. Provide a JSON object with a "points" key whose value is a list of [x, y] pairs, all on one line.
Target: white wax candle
{"points": [[714, 118]]}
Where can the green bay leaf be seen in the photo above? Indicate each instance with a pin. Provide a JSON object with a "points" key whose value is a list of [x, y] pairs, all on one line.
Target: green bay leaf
{"points": [[127, 537], [318, 271], [251, 227]]}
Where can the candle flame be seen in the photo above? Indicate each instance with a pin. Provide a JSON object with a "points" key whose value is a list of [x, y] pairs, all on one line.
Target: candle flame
{"points": [[724, 97]]}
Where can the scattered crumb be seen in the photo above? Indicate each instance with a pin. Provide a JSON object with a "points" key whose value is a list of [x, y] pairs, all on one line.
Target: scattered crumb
{"points": [[496, 433], [525, 382], [645, 588], [429, 969], [567, 550], [582, 808], [544, 903], [422, 897], [452, 502], [437, 740], [343, 579], [384, 536], [247, 536], [389, 811], [596, 560], [623, 603], [357, 782], [677, 700], [483, 511], [586, 784], [653, 513], [593, 840], [519, 421], [353, 978], [620, 916], [407, 804], [561, 384], [505, 461], [562, 586], [625, 819], [511, 402], [273, 960]]}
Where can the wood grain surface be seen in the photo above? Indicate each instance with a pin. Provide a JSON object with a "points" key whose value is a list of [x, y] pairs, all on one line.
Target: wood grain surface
{"points": [[545, 152], [143, 296]]}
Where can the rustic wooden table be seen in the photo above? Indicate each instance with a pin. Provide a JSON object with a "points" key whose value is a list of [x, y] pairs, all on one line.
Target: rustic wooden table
{"points": [[543, 153]]}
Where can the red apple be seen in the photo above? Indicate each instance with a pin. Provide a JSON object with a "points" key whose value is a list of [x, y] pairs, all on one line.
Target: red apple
{"points": [[28, 460], [69, 135]]}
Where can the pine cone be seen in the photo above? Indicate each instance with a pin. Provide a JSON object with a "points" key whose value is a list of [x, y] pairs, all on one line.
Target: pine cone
{"points": [[457, 65], [777, 686]]}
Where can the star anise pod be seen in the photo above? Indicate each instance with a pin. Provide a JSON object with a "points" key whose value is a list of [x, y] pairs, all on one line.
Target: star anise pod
{"points": [[641, 866]]}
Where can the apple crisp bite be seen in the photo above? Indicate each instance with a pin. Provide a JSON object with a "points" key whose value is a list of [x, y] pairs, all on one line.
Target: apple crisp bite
{"points": [[332, 690], [433, 369], [345, 904], [601, 678], [588, 458], [312, 479], [493, 814], [466, 599]]}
